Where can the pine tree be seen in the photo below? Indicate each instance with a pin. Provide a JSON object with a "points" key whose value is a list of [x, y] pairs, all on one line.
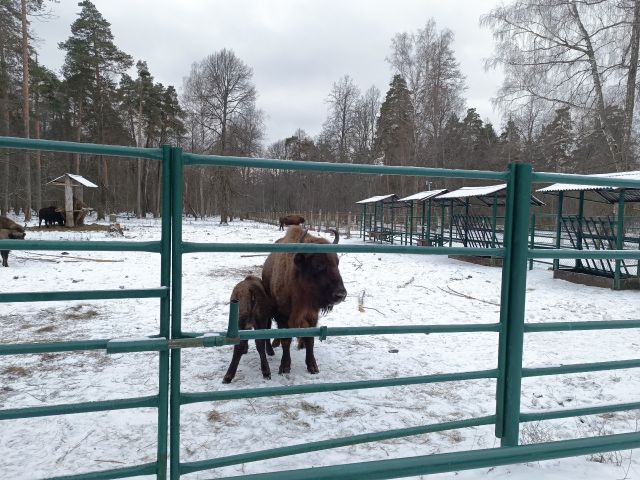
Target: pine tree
{"points": [[558, 143], [91, 62]]}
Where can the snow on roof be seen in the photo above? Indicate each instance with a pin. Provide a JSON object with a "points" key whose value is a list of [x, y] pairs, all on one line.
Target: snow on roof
{"points": [[481, 192], [423, 195], [565, 187], [76, 178], [379, 198], [465, 192]]}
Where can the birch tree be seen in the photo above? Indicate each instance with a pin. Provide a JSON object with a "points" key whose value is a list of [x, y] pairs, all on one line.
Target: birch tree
{"points": [[571, 53]]}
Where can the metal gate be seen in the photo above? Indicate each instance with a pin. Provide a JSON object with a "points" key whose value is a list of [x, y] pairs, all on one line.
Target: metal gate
{"points": [[510, 328]]}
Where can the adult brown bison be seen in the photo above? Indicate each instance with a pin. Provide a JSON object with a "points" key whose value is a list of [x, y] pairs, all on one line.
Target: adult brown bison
{"points": [[291, 220], [9, 230], [255, 310], [301, 286]]}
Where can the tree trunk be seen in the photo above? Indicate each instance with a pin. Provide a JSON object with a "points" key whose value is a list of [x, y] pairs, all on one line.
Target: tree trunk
{"points": [[78, 137], [25, 108], [38, 162], [614, 148], [4, 118], [629, 102], [140, 165]]}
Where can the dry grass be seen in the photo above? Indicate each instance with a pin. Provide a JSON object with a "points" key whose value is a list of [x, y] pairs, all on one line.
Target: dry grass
{"points": [[47, 329], [77, 313], [16, 371], [312, 408]]}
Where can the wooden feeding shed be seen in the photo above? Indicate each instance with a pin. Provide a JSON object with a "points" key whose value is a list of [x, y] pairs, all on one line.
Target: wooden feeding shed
{"points": [[74, 209], [581, 231]]}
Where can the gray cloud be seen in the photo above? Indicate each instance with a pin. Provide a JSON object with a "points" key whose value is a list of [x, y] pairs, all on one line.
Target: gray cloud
{"points": [[297, 48]]}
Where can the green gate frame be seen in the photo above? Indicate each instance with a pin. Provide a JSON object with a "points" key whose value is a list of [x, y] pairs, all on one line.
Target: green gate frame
{"points": [[162, 247], [510, 329]]}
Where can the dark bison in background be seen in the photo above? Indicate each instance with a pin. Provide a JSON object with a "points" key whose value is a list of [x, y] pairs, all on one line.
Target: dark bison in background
{"points": [[255, 310], [301, 285], [9, 230], [291, 220], [50, 216]]}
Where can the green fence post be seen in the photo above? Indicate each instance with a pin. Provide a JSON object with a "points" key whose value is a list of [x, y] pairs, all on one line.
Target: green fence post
{"points": [[428, 224], [579, 232], [513, 291], [533, 237], [451, 224], [165, 313], [442, 214], [176, 308], [556, 262], [619, 239], [494, 220]]}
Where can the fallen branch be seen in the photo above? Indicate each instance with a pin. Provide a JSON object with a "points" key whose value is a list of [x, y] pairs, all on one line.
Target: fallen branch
{"points": [[33, 256], [256, 255], [451, 291]]}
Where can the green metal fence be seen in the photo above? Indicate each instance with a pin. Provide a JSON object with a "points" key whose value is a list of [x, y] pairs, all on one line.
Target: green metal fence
{"points": [[510, 328], [162, 247]]}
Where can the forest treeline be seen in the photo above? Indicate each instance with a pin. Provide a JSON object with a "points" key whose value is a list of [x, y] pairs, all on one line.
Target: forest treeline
{"points": [[567, 101]]}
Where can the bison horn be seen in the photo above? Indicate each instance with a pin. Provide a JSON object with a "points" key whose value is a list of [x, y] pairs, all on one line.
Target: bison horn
{"points": [[336, 235], [304, 234]]}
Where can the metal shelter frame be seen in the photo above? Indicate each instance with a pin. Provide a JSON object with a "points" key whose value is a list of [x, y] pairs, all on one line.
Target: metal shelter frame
{"points": [[424, 220], [378, 225], [596, 233], [475, 230], [510, 327]]}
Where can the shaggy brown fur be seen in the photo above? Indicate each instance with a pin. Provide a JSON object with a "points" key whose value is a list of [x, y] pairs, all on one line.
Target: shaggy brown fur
{"points": [[291, 220], [9, 224], [255, 312], [302, 285]]}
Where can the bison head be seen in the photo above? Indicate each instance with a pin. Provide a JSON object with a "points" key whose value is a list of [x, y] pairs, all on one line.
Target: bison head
{"points": [[321, 272]]}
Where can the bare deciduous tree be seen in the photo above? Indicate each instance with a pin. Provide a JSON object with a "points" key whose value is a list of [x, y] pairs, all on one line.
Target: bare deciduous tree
{"points": [[338, 129], [427, 63], [220, 90], [581, 54]]}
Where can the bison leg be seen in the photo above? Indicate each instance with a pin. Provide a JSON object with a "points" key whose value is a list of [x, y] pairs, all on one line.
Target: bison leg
{"points": [[310, 359], [5, 258], [235, 360], [285, 363], [264, 364], [269, 347]]}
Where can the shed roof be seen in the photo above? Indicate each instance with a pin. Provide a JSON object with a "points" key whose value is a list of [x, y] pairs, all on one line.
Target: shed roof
{"points": [[611, 194], [465, 192], [392, 197], [484, 194], [421, 196], [75, 178]]}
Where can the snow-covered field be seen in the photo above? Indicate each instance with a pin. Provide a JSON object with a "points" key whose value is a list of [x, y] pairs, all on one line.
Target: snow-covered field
{"points": [[398, 290]]}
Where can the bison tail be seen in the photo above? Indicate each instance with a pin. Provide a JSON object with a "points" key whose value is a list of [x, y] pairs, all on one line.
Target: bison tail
{"points": [[336, 235]]}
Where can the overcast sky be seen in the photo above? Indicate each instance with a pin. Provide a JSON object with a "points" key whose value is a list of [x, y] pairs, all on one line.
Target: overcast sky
{"points": [[297, 48]]}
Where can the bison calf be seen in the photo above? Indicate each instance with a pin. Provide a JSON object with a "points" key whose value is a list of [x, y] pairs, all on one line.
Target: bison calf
{"points": [[288, 220], [50, 217], [301, 285], [255, 312]]}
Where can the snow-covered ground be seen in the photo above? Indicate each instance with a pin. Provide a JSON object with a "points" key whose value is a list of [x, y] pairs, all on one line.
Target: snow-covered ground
{"points": [[397, 289]]}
